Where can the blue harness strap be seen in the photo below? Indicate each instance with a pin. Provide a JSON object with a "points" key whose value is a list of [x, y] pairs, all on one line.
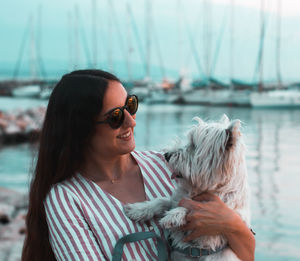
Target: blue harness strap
{"points": [[161, 246], [196, 252]]}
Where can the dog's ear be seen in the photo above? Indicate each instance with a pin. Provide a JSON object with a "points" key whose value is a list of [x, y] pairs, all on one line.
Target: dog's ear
{"points": [[232, 133], [224, 119], [200, 121]]}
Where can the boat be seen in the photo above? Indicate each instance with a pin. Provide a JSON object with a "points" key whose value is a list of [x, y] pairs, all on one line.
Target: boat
{"points": [[28, 91], [275, 99]]}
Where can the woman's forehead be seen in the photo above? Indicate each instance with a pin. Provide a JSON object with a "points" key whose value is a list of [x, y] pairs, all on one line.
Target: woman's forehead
{"points": [[115, 96]]}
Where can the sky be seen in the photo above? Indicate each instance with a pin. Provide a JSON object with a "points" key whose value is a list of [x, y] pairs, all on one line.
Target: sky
{"points": [[196, 37]]}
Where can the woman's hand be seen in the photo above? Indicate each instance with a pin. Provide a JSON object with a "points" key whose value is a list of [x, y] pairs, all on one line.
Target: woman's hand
{"points": [[208, 215]]}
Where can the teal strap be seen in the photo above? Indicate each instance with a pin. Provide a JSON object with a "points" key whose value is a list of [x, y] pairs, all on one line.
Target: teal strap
{"points": [[198, 252], [161, 246]]}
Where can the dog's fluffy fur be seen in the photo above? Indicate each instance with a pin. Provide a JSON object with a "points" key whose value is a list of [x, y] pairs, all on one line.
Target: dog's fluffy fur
{"points": [[213, 160]]}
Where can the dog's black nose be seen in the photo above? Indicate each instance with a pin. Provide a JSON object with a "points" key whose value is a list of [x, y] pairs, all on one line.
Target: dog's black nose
{"points": [[167, 156]]}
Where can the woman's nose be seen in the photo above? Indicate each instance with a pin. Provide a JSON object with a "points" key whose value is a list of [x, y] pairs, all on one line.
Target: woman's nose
{"points": [[129, 120]]}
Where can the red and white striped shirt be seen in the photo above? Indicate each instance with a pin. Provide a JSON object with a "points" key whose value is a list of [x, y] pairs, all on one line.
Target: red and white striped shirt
{"points": [[85, 222]]}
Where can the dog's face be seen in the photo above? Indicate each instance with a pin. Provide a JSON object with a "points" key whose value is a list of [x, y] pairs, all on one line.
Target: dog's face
{"points": [[213, 155]]}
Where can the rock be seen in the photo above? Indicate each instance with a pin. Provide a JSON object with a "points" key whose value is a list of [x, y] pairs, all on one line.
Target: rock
{"points": [[6, 213], [13, 209], [10, 250]]}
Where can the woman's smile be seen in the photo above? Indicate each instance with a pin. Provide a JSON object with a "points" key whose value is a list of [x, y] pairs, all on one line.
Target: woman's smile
{"points": [[125, 136]]}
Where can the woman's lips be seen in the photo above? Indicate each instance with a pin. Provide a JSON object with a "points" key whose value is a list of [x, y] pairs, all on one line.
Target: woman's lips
{"points": [[125, 136]]}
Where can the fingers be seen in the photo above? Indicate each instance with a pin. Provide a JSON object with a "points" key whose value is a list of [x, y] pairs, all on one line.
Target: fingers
{"points": [[206, 196], [189, 204]]}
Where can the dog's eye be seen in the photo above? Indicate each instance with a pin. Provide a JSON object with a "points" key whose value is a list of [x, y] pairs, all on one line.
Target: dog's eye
{"points": [[176, 175]]}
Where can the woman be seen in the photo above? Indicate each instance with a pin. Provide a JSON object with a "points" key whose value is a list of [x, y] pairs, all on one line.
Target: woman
{"points": [[87, 170]]}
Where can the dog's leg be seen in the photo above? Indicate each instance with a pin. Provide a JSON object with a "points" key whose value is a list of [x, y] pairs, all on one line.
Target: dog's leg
{"points": [[146, 210], [174, 218]]}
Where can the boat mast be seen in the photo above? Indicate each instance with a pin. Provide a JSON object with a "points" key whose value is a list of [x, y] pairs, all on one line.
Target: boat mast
{"points": [[261, 49], [129, 42], [33, 56], [94, 34], [158, 49], [207, 35], [110, 60], [193, 45], [22, 47], [179, 38], [39, 43], [76, 37], [278, 44], [232, 23], [114, 18], [70, 40], [138, 39], [148, 36]]}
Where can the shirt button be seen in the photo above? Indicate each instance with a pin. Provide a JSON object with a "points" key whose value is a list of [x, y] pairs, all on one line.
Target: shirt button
{"points": [[151, 228]]}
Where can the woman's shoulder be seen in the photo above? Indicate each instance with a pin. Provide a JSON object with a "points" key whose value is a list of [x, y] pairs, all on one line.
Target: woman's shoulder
{"points": [[66, 189]]}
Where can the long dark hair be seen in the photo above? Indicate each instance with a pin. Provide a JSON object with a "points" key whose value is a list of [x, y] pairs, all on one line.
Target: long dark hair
{"points": [[68, 126]]}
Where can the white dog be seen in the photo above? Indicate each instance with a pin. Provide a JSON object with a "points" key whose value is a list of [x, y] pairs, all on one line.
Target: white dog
{"points": [[213, 160]]}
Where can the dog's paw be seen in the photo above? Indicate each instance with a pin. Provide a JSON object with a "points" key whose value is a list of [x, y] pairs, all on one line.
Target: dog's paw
{"points": [[173, 218], [136, 212]]}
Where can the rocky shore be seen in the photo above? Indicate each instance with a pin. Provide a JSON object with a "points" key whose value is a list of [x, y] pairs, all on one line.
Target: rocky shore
{"points": [[13, 209]]}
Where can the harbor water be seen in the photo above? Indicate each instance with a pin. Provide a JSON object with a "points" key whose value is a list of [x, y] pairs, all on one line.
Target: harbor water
{"points": [[273, 159]]}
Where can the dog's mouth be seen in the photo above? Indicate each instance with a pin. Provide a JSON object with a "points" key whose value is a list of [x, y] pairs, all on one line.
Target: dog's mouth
{"points": [[176, 175]]}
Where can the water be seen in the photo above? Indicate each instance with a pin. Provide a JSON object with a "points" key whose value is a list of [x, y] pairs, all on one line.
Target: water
{"points": [[273, 158]]}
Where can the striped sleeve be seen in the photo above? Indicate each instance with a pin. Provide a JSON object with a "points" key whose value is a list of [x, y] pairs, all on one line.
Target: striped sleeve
{"points": [[69, 234]]}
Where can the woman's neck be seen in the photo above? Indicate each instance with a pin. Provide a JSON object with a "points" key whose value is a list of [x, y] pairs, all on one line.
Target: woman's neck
{"points": [[99, 168]]}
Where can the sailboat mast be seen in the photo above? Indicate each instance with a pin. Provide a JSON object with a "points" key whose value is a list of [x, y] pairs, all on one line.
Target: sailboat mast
{"points": [[70, 40], [76, 37], [33, 59], [232, 40], [148, 36], [94, 33], [262, 35], [39, 42], [278, 44], [179, 37], [129, 42], [207, 35], [110, 44]]}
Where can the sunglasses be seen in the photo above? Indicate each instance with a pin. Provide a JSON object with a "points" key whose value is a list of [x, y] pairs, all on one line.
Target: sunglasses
{"points": [[116, 116]]}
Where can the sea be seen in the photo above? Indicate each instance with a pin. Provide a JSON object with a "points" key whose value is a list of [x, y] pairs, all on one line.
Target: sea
{"points": [[273, 160]]}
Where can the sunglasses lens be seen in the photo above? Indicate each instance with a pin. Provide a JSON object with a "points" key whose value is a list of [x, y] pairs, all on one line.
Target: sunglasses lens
{"points": [[116, 118], [132, 104]]}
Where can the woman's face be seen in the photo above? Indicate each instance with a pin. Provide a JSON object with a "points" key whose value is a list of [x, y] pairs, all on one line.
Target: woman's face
{"points": [[113, 142]]}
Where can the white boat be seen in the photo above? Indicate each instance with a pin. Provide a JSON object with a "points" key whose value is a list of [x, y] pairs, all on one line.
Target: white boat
{"points": [[27, 91], [241, 97], [205, 97], [196, 96], [275, 99], [220, 97]]}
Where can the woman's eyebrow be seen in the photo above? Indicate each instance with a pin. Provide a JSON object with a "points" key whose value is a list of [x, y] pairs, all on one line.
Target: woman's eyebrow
{"points": [[111, 110]]}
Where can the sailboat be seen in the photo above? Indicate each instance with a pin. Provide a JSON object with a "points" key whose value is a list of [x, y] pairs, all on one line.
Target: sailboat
{"points": [[279, 97], [32, 87]]}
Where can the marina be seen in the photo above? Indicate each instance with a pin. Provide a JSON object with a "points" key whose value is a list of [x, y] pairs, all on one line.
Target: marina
{"points": [[182, 59], [273, 149]]}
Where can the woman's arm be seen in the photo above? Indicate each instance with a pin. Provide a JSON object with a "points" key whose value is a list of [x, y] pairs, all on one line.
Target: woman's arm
{"points": [[213, 217], [70, 236]]}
